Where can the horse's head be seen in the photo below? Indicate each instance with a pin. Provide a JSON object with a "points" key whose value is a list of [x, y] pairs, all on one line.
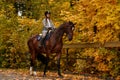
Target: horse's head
{"points": [[69, 28]]}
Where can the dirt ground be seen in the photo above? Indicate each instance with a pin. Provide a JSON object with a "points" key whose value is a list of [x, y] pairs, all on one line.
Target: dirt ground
{"points": [[23, 74]]}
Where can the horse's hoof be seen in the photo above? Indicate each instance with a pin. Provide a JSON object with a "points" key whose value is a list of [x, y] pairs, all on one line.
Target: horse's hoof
{"points": [[44, 75], [31, 74], [60, 76], [34, 73]]}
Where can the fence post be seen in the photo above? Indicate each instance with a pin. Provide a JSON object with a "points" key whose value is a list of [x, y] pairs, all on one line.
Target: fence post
{"points": [[67, 54]]}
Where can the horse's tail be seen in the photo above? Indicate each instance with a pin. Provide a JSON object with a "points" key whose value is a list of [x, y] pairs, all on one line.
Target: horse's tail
{"points": [[28, 43]]}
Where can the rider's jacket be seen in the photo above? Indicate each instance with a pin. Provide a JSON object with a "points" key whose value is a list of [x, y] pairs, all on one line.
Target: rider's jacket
{"points": [[47, 23]]}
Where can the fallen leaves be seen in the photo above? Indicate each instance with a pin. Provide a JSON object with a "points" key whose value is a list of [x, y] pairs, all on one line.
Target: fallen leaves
{"points": [[23, 74]]}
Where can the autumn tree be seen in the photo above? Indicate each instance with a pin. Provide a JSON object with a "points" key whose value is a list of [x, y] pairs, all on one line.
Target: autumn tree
{"points": [[97, 21]]}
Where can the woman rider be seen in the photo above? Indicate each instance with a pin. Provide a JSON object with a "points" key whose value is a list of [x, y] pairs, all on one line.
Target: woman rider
{"points": [[48, 25]]}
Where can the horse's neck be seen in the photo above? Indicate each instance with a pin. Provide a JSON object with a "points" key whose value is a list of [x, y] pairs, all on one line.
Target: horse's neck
{"points": [[59, 33], [57, 36]]}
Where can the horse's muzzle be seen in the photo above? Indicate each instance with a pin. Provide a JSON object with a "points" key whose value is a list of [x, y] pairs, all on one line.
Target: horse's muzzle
{"points": [[70, 37]]}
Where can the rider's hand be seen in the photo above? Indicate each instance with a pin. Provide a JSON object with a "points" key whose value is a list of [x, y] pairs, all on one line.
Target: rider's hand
{"points": [[49, 28]]}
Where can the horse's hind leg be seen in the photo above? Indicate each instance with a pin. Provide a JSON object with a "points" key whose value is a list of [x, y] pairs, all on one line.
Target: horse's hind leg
{"points": [[46, 65]]}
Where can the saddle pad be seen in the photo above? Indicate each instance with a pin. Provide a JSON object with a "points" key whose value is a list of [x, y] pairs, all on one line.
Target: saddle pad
{"points": [[39, 37]]}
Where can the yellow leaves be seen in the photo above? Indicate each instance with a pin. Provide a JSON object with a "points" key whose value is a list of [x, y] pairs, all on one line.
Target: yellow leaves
{"points": [[28, 22], [89, 52], [2, 13], [102, 67], [51, 2], [65, 5], [98, 58], [57, 24], [95, 12], [103, 58], [104, 36], [116, 26], [110, 57], [68, 16], [62, 13], [13, 50], [81, 64]]}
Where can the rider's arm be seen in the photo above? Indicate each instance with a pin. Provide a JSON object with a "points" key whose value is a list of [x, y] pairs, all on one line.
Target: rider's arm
{"points": [[44, 23]]}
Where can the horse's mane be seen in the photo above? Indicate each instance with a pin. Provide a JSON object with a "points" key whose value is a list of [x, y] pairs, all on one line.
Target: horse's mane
{"points": [[62, 25], [65, 24], [59, 30]]}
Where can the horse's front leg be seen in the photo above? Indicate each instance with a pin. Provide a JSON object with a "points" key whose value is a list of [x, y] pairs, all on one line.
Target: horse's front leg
{"points": [[58, 64], [46, 65]]}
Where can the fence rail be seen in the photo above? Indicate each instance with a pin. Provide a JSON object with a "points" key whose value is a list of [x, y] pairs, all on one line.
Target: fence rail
{"points": [[92, 45]]}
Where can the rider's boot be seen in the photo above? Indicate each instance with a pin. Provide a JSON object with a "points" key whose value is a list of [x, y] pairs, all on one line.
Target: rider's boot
{"points": [[41, 42]]}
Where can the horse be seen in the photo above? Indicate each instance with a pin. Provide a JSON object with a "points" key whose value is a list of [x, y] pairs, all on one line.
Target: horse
{"points": [[53, 45]]}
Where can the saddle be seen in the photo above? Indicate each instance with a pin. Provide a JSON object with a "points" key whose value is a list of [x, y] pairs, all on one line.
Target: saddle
{"points": [[43, 40]]}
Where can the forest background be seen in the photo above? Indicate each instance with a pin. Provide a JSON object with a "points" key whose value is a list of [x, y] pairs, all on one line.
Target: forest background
{"points": [[97, 21]]}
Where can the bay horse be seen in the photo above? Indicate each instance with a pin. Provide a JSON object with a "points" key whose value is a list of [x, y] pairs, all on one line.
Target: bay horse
{"points": [[53, 45]]}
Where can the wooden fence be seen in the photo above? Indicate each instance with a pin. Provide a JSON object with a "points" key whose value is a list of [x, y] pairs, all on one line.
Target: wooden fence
{"points": [[92, 45], [66, 47]]}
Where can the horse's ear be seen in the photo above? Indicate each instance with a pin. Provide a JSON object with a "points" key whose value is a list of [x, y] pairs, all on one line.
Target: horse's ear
{"points": [[69, 21], [75, 23]]}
